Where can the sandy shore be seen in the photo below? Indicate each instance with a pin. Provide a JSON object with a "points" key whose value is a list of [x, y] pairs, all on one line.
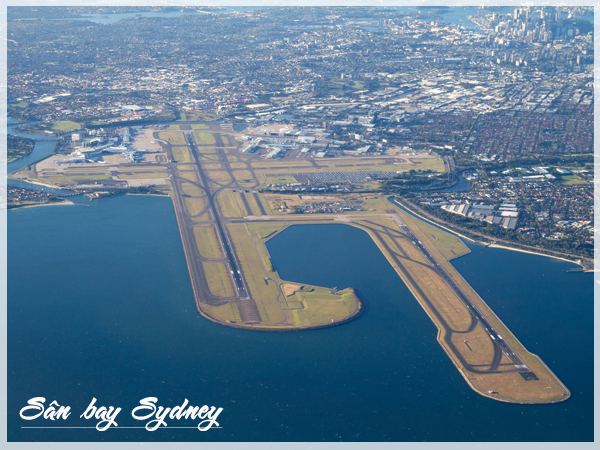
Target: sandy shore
{"points": [[150, 195], [534, 253], [28, 180]]}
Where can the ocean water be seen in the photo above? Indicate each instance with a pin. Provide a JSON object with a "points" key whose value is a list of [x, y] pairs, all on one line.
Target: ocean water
{"points": [[100, 305]]}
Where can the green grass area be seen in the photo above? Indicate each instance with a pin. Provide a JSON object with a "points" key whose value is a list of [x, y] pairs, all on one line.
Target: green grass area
{"points": [[265, 229], [80, 170], [236, 165], [225, 140], [219, 176], [254, 209], [320, 307], [123, 176], [212, 166], [207, 150], [185, 167], [252, 265], [207, 242], [182, 117], [194, 205], [204, 138], [572, 180], [247, 184], [278, 170], [242, 175], [181, 154], [218, 280], [205, 217], [265, 203], [232, 158], [17, 147], [281, 162], [173, 127], [209, 157], [122, 167], [173, 137], [190, 189], [51, 63], [161, 159], [18, 105], [199, 126], [65, 125], [64, 180], [281, 180], [189, 176], [229, 203], [434, 164], [359, 161], [228, 311]]}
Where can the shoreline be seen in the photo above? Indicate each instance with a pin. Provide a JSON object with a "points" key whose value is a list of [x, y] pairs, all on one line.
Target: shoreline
{"points": [[535, 253], [151, 195]]}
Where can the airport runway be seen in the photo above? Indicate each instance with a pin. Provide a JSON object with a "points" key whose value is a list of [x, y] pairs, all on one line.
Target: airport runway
{"points": [[246, 305], [500, 345]]}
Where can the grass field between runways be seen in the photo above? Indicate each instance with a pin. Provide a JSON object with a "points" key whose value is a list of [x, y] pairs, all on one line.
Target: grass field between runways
{"points": [[207, 242], [219, 176], [181, 154], [320, 307], [217, 277], [194, 205], [265, 295], [228, 202], [189, 176], [142, 175], [203, 138], [227, 312], [172, 137], [190, 189]]}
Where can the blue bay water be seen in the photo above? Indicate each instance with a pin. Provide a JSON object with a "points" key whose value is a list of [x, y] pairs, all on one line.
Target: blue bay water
{"points": [[453, 16], [100, 305]]}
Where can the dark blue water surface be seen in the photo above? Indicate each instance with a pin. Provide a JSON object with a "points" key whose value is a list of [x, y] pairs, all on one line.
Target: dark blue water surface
{"points": [[100, 305], [44, 145], [462, 185]]}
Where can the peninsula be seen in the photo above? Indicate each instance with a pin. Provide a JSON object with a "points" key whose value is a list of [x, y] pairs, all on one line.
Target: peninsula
{"points": [[227, 209]]}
